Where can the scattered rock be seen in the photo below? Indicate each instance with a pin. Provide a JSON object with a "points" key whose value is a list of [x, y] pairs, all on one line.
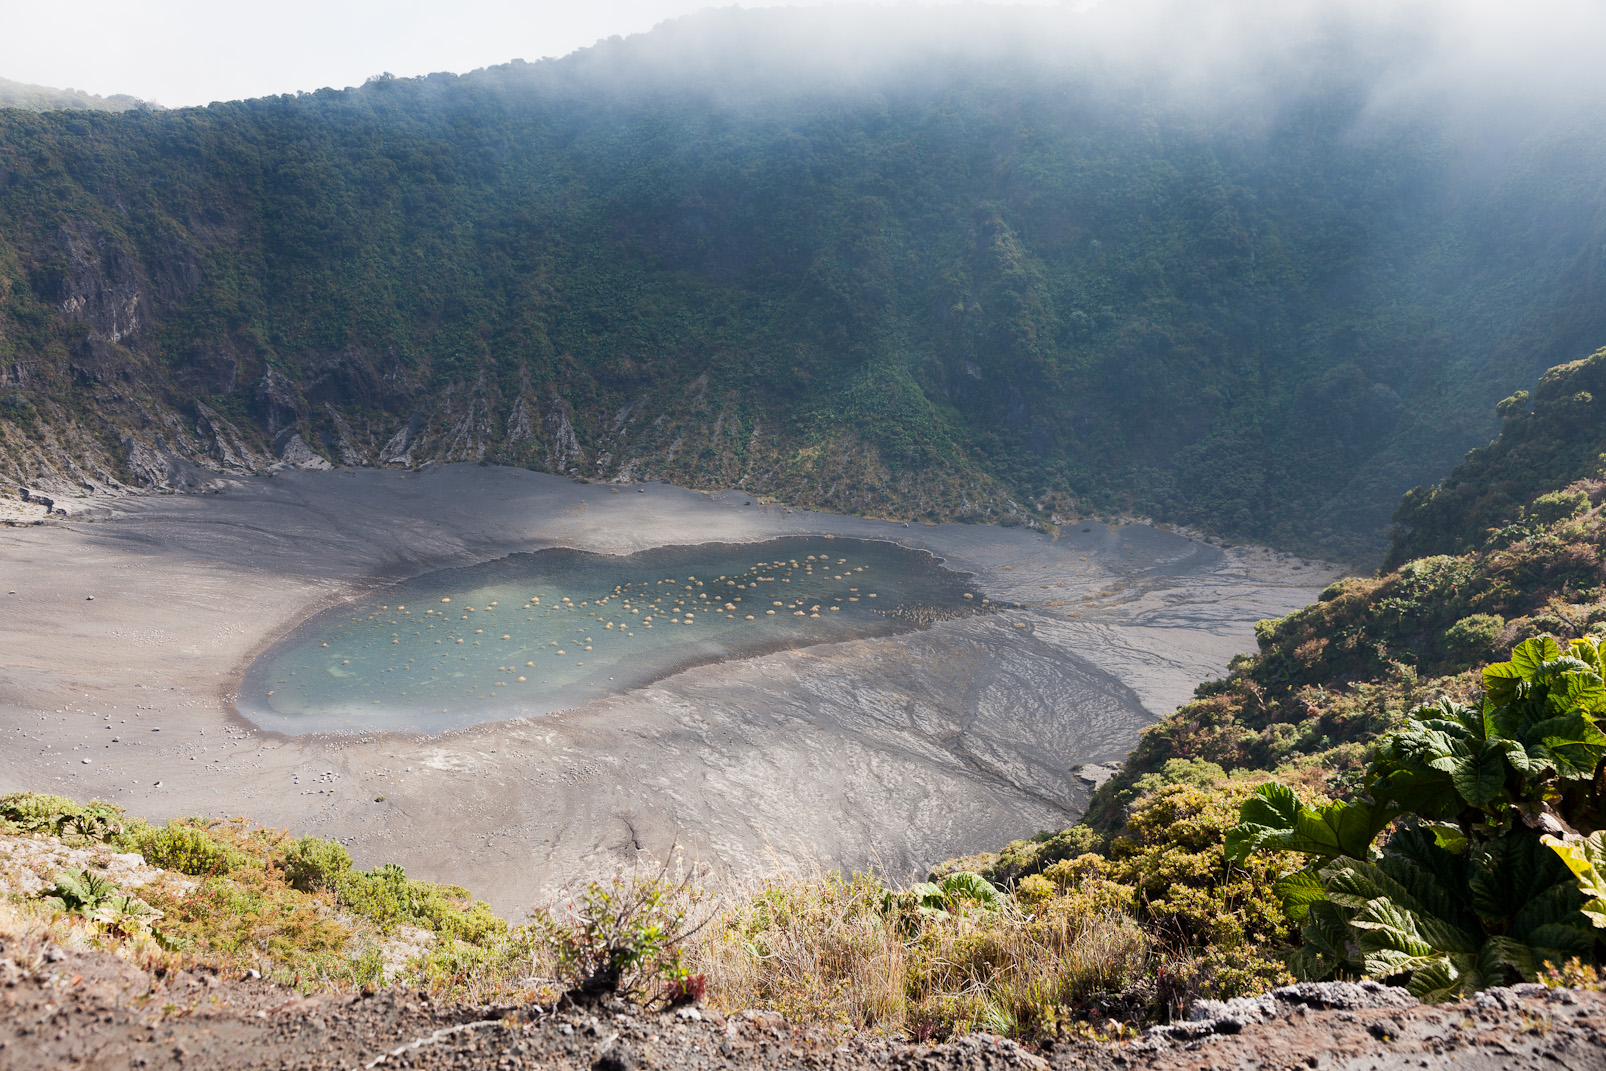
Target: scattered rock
{"points": [[1209, 1017], [619, 1058], [96, 1003], [1094, 773]]}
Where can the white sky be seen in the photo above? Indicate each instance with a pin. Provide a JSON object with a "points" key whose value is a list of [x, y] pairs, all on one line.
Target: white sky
{"points": [[182, 52]]}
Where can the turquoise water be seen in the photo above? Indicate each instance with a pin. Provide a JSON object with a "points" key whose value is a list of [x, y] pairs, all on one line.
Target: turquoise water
{"points": [[534, 633]]}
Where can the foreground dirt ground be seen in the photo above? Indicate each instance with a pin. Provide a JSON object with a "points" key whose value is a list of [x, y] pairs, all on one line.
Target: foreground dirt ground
{"points": [[61, 1008]]}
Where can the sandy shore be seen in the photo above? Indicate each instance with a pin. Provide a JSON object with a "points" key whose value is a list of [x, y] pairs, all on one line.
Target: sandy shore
{"points": [[124, 628]]}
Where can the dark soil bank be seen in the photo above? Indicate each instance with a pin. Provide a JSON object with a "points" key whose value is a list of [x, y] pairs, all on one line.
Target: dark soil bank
{"points": [[64, 1009]]}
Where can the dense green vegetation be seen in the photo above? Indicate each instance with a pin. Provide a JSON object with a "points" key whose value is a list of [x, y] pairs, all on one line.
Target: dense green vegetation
{"points": [[1443, 828], [44, 99], [964, 290], [1466, 890], [1515, 486]]}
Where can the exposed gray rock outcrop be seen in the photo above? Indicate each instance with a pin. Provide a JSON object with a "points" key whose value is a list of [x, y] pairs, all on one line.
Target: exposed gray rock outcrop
{"points": [[1232, 1016], [399, 449], [345, 443], [563, 445], [279, 403], [296, 454], [222, 441]]}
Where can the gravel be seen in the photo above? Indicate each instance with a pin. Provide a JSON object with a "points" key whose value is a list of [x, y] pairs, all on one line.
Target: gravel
{"points": [[77, 1008]]}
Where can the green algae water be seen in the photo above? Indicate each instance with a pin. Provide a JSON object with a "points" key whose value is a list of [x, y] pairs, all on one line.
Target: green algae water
{"points": [[533, 633]]}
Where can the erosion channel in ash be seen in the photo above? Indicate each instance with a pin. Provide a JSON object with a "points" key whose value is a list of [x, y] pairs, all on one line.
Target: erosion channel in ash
{"points": [[533, 633]]}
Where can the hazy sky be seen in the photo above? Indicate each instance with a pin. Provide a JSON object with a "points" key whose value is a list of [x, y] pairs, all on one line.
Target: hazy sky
{"points": [[180, 52]]}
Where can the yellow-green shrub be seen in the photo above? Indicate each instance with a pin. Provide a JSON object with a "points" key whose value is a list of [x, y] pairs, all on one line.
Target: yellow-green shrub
{"points": [[1170, 853], [312, 863], [186, 848]]}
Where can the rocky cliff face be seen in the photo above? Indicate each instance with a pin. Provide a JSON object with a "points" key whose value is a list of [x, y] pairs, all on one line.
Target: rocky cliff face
{"points": [[112, 405]]}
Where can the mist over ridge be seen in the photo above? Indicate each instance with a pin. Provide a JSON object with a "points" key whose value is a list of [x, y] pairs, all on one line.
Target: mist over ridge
{"points": [[1256, 267], [1407, 58]]}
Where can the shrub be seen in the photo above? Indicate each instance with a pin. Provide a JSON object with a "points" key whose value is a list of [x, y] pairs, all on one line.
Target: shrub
{"points": [[250, 912], [1034, 889], [383, 894], [623, 938], [1021, 858], [1557, 506], [312, 863], [186, 848], [1473, 888], [1194, 773], [388, 897], [1473, 638], [1185, 889], [451, 911]]}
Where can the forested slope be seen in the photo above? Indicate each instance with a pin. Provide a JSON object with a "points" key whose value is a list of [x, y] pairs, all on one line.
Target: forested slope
{"points": [[975, 284], [44, 99], [1509, 489]]}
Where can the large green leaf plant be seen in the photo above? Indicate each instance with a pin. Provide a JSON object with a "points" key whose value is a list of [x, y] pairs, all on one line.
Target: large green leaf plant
{"points": [[1484, 872]]}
